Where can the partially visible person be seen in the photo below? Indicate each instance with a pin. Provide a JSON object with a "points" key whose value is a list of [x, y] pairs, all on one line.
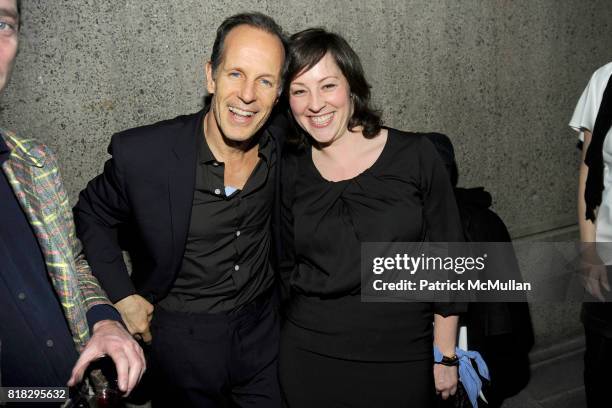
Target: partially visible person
{"points": [[592, 119], [501, 332], [197, 192], [51, 307], [350, 181]]}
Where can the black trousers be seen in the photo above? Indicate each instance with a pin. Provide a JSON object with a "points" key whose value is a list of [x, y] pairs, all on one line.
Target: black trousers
{"points": [[312, 380], [597, 363], [217, 360]]}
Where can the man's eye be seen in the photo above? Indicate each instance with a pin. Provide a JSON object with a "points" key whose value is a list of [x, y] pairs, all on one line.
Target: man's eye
{"points": [[266, 83], [234, 74], [4, 26]]}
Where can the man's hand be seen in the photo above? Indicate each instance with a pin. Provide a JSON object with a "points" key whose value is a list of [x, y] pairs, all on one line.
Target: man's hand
{"points": [[594, 277], [110, 338], [593, 272], [445, 379], [137, 313]]}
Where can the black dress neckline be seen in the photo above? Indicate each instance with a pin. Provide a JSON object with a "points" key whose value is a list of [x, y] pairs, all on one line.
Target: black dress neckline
{"points": [[379, 159]]}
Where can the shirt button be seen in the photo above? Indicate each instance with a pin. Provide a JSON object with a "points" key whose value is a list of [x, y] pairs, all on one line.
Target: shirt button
{"points": [[217, 191], [21, 296], [49, 343], [236, 267], [237, 233], [215, 164]]}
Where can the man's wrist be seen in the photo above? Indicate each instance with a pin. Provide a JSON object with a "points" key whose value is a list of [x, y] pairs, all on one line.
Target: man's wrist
{"points": [[106, 322], [99, 313]]}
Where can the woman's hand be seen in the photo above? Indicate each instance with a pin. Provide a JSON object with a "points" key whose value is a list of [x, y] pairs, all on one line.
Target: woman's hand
{"points": [[445, 379], [445, 333]]}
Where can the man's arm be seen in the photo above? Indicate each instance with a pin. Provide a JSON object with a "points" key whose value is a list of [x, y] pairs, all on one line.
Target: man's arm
{"points": [[108, 337], [102, 207], [594, 272]]}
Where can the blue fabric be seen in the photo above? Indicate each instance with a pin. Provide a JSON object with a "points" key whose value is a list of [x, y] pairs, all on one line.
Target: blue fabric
{"points": [[229, 190], [467, 375]]}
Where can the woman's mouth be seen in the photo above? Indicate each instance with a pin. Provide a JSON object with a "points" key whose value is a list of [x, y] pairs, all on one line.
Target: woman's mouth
{"points": [[322, 120]]}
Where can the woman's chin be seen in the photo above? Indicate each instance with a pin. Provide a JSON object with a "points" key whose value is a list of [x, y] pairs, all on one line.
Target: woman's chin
{"points": [[322, 137]]}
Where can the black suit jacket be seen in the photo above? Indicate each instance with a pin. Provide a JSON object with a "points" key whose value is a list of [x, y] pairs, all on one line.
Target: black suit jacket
{"points": [[142, 202]]}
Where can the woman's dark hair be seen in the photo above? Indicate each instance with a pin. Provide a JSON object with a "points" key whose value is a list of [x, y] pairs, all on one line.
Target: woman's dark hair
{"points": [[308, 47]]}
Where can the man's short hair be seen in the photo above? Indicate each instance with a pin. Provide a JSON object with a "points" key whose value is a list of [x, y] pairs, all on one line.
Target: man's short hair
{"points": [[256, 20]]}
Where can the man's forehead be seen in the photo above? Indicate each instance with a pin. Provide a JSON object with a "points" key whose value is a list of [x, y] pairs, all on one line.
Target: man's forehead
{"points": [[8, 8], [252, 47], [245, 36]]}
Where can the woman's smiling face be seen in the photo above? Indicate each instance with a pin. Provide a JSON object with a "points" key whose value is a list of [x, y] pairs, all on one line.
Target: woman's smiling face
{"points": [[320, 100]]}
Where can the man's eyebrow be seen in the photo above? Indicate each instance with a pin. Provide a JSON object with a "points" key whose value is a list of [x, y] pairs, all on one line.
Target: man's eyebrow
{"points": [[4, 12]]}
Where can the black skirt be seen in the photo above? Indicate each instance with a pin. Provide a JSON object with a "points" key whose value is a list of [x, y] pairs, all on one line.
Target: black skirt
{"points": [[309, 379]]}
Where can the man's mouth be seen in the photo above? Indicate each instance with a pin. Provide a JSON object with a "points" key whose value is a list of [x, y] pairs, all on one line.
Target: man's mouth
{"points": [[240, 112], [321, 120]]}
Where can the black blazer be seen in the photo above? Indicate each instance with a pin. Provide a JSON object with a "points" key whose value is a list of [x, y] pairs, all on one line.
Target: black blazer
{"points": [[142, 202]]}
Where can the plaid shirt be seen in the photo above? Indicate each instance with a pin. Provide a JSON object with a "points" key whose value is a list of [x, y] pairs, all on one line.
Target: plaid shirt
{"points": [[33, 173]]}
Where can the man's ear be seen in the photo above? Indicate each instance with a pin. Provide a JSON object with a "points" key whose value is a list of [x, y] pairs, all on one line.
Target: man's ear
{"points": [[210, 81]]}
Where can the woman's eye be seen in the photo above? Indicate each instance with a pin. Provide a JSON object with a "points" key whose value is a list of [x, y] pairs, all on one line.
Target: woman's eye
{"points": [[329, 86], [297, 92]]}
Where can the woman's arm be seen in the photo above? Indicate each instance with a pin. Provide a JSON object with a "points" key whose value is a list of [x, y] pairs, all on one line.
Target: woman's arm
{"points": [[443, 225], [445, 338]]}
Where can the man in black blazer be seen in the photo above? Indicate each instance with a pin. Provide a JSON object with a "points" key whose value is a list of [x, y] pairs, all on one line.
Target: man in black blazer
{"points": [[195, 196]]}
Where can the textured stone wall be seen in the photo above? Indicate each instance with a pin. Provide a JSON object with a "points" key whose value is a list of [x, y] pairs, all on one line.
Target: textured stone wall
{"points": [[500, 77]]}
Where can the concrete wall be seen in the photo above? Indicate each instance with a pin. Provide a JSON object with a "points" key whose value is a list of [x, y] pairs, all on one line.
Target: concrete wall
{"points": [[500, 77]]}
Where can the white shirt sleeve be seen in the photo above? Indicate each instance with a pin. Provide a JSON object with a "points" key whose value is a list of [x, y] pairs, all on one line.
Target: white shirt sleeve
{"points": [[587, 107]]}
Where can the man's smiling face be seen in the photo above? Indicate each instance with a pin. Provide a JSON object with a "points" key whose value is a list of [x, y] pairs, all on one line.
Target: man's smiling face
{"points": [[246, 84]]}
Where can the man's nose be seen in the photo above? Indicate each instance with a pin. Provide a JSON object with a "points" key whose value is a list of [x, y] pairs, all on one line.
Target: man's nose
{"points": [[247, 92]]}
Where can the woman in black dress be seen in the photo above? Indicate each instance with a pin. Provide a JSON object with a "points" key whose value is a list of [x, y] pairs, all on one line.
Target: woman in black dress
{"points": [[354, 181]]}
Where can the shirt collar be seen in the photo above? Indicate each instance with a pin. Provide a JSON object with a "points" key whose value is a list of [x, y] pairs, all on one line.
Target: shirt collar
{"points": [[3, 146], [204, 153], [205, 156], [26, 150], [4, 149]]}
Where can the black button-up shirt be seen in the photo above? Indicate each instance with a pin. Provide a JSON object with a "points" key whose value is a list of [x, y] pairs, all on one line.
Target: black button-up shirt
{"points": [[226, 262], [36, 347]]}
